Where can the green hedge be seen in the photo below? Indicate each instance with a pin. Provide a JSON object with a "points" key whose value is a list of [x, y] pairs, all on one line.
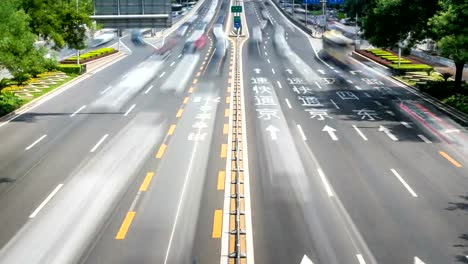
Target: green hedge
{"points": [[9, 103], [72, 68], [411, 67], [458, 101], [92, 54]]}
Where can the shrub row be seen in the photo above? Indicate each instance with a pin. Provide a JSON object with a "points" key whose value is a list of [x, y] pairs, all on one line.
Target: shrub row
{"points": [[411, 67], [72, 68], [392, 58], [92, 54], [458, 101], [9, 103]]}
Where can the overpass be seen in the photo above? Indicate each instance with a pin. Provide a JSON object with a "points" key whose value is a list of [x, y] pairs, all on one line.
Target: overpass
{"points": [[123, 14]]}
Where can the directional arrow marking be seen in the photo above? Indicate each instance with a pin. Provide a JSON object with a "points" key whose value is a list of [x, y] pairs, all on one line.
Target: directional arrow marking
{"points": [[331, 131], [388, 132], [418, 261], [306, 260], [273, 132], [257, 71]]}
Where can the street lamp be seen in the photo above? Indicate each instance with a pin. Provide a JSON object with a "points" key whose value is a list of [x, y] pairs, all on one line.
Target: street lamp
{"points": [[77, 50]]}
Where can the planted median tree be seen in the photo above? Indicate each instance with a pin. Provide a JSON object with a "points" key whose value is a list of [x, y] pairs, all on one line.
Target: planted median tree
{"points": [[451, 32]]}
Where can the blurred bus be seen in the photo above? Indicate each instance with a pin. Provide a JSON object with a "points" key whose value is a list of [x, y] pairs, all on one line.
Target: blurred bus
{"points": [[336, 46]]}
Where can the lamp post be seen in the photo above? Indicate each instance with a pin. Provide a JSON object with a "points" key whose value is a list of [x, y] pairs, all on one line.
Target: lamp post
{"points": [[77, 50]]}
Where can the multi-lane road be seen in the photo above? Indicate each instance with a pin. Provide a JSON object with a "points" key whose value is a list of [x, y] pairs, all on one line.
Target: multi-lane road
{"points": [[341, 163]]}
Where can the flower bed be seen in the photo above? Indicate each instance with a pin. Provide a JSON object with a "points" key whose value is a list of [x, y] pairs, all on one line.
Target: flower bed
{"points": [[90, 56]]}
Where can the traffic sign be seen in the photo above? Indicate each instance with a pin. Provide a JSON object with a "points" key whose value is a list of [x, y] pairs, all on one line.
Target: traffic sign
{"points": [[335, 2], [236, 9], [237, 21]]}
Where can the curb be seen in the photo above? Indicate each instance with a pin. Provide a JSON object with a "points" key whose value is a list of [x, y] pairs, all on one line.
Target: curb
{"points": [[43, 98], [460, 117]]}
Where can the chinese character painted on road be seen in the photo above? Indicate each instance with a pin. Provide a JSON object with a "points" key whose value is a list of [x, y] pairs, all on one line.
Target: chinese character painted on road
{"points": [[203, 116], [366, 114], [200, 125], [206, 108], [267, 114], [372, 81], [264, 100], [302, 90], [196, 136], [329, 80], [309, 101], [262, 89], [347, 95], [296, 81], [259, 80], [319, 113]]}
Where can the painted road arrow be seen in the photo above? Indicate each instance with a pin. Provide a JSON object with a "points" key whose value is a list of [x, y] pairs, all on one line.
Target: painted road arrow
{"points": [[354, 72], [289, 71], [331, 131], [306, 260], [388, 132], [418, 261], [273, 132], [257, 71]]}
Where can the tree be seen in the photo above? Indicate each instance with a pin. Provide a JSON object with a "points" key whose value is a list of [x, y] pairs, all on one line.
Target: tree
{"points": [[59, 22], [390, 22], [357, 7], [17, 51], [450, 31]]}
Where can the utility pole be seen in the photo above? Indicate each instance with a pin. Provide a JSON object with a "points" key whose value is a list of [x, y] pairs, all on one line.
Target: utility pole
{"points": [[77, 50], [324, 13], [306, 14]]}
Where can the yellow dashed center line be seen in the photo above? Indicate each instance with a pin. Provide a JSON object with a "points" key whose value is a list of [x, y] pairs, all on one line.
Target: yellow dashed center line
{"points": [[186, 100], [125, 226], [198, 74], [226, 112], [229, 89], [221, 177], [145, 184], [190, 90], [195, 81], [171, 130], [452, 160], [161, 151], [225, 129], [228, 100], [179, 113], [217, 223], [223, 150]]}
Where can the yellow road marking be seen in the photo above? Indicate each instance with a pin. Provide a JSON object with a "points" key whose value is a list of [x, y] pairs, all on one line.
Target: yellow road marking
{"points": [[229, 89], [226, 112], [225, 129], [228, 100], [190, 90], [161, 151], [144, 185], [171, 130], [125, 226], [198, 74], [201, 68], [230, 80], [204, 62], [221, 176], [195, 81], [452, 160], [179, 113], [186, 100], [223, 150], [217, 223]]}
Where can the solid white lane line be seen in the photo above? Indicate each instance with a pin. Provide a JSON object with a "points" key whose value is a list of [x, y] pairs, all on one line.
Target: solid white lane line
{"points": [[279, 85], [357, 87], [47, 199], [349, 81], [333, 102], [301, 132], [321, 71], [129, 110], [404, 183], [425, 139], [77, 111], [105, 90], [368, 95], [325, 182], [287, 102], [268, 60], [405, 124], [360, 259], [35, 142], [273, 71], [99, 143], [172, 64], [149, 89], [378, 103], [162, 74], [318, 85], [360, 132]]}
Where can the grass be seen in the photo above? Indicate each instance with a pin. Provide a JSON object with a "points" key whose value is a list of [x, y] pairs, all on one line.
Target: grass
{"points": [[51, 88]]}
